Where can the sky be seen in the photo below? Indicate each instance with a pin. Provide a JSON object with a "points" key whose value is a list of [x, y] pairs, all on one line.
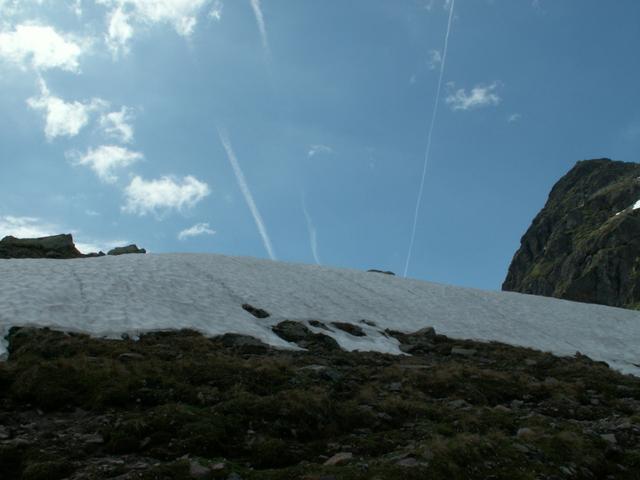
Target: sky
{"points": [[298, 130]]}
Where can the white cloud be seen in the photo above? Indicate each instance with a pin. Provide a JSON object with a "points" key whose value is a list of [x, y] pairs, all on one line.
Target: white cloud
{"points": [[195, 231], [434, 60], [119, 31], [125, 15], [318, 149], [117, 124], [25, 227], [514, 117], [479, 96], [62, 118], [106, 159], [163, 194], [41, 47], [216, 10]]}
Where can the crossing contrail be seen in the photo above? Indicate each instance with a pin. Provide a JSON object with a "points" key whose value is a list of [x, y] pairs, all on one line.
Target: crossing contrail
{"points": [[257, 10], [244, 188], [429, 137], [313, 233]]}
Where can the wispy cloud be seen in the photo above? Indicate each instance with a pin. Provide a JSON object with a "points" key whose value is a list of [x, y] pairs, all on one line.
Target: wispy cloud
{"points": [[126, 16], [197, 230], [105, 160], [479, 96], [313, 233], [246, 192], [434, 60], [427, 152], [514, 117], [118, 124], [42, 47], [319, 149], [216, 10], [163, 194], [63, 119], [262, 27]]}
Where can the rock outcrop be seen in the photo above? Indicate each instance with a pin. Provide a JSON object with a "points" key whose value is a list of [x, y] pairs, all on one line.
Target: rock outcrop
{"points": [[126, 250], [57, 246], [585, 243]]}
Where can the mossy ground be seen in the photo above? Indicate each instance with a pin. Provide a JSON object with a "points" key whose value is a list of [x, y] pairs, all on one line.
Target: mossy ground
{"points": [[81, 408]]}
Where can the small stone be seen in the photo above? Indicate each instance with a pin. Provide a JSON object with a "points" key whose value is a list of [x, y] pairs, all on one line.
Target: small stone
{"points": [[339, 459], [609, 438], [465, 352], [595, 402], [234, 476], [130, 356], [524, 432], [198, 471], [394, 387], [517, 403], [93, 439], [408, 462], [551, 382], [530, 362], [4, 433], [458, 403]]}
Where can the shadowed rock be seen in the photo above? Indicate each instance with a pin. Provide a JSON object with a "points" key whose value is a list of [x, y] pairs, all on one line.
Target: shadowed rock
{"points": [[126, 250], [585, 243], [56, 247], [299, 334]]}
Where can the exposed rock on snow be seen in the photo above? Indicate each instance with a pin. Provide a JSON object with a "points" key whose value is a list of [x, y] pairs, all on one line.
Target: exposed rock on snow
{"points": [[132, 294], [57, 246], [129, 249]]}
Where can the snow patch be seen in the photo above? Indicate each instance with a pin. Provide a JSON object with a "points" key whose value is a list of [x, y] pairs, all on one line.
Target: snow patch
{"points": [[133, 294]]}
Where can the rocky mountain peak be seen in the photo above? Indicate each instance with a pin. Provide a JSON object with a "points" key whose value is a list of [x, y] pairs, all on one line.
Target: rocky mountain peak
{"points": [[584, 245]]}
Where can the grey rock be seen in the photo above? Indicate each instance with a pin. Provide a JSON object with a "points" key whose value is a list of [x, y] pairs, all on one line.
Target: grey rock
{"points": [[198, 471], [465, 352], [4, 433], [524, 432], [609, 438], [129, 249], [408, 462], [339, 459]]}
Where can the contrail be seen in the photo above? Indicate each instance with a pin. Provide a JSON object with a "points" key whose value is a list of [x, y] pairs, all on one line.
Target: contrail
{"points": [[257, 10], [429, 137], [313, 234], [244, 187]]}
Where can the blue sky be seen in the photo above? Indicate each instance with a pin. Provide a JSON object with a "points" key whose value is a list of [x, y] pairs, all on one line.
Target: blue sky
{"points": [[297, 130]]}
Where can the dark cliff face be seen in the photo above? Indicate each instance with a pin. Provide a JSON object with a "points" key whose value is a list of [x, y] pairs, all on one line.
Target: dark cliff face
{"points": [[585, 243], [57, 246]]}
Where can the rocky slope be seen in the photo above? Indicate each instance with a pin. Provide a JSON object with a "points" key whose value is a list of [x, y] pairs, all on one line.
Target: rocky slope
{"points": [[53, 247], [177, 405], [57, 246], [585, 243]]}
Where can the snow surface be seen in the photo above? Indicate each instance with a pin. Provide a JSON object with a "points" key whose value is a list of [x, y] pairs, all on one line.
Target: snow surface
{"points": [[131, 294]]}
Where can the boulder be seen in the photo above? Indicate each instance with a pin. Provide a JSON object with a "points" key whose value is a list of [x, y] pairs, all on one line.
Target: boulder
{"points": [[129, 249]]}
